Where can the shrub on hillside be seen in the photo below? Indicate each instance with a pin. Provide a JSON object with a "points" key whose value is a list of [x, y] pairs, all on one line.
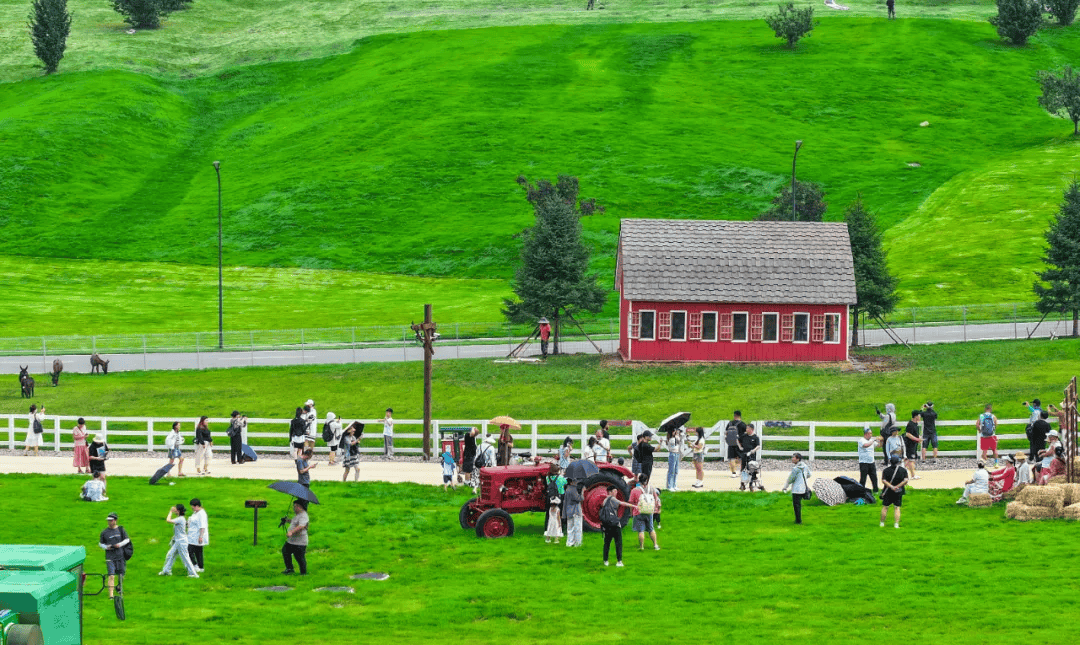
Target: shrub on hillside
{"points": [[176, 5], [1017, 20], [810, 205], [143, 14], [1063, 10], [49, 27], [790, 23], [1061, 95]]}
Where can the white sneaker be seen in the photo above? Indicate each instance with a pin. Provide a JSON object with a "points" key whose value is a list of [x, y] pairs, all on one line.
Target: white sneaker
{"points": [[883, 525], [164, 573], [198, 569], [619, 563], [606, 563], [193, 575], [734, 474], [896, 526]]}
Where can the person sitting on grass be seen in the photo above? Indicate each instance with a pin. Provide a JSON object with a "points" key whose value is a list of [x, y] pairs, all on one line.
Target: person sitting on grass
{"points": [[94, 490], [1003, 479], [978, 484]]}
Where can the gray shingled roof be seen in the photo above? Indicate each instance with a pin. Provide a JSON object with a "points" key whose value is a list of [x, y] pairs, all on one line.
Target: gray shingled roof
{"points": [[737, 262]]}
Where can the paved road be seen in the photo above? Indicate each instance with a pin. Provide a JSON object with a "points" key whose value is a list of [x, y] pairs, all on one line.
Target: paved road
{"points": [[192, 360]]}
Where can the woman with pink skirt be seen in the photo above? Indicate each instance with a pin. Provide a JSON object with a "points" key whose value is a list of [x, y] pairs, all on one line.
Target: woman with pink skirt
{"points": [[82, 455]]}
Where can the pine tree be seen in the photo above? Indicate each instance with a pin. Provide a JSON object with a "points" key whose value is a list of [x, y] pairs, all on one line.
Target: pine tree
{"points": [[50, 25], [875, 287], [810, 205], [143, 14], [1017, 20], [551, 280], [1062, 259]]}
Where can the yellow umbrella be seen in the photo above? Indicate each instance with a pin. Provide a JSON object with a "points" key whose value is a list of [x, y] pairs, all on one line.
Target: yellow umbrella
{"points": [[506, 421]]}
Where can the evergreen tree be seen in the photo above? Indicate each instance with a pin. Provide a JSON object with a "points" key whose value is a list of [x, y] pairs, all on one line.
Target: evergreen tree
{"points": [[1061, 94], [1062, 259], [551, 280], [1063, 10], [50, 25], [810, 205], [143, 14], [875, 287], [1017, 20]]}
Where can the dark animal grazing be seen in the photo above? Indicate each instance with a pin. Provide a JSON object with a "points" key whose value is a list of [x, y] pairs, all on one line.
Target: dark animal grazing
{"points": [[26, 382], [57, 367], [96, 362]]}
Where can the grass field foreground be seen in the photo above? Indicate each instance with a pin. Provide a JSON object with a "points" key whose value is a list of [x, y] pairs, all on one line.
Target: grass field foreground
{"points": [[731, 564]]}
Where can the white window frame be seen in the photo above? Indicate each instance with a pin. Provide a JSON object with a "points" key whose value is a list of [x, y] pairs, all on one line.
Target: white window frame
{"points": [[764, 316], [685, 325], [746, 326], [641, 325], [795, 328], [715, 329], [839, 318]]}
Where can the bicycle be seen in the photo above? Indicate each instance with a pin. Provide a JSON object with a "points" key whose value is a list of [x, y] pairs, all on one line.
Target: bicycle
{"points": [[118, 595]]}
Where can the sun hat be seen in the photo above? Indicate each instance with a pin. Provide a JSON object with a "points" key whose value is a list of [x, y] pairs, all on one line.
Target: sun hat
{"points": [[543, 321], [1053, 433], [1020, 457], [309, 402], [867, 430], [99, 438], [1010, 459]]}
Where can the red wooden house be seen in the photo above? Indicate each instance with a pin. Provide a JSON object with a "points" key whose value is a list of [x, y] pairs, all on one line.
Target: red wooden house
{"points": [[714, 290]]}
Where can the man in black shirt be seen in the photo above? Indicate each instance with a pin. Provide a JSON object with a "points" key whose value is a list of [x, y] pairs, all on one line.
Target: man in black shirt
{"points": [[929, 428], [468, 455], [297, 430], [893, 480], [1037, 432], [112, 541], [912, 441], [732, 434], [643, 453], [749, 444]]}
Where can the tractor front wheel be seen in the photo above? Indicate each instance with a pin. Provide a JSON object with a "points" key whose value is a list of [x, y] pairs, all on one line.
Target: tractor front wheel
{"points": [[594, 492], [468, 514], [494, 523]]}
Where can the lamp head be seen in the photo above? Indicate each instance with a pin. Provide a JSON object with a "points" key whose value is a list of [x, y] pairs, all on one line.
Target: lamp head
{"points": [[798, 144], [217, 164]]}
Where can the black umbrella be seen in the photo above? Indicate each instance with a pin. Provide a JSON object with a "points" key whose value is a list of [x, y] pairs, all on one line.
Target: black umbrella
{"points": [[296, 490], [160, 473], [673, 422], [580, 469], [249, 454]]}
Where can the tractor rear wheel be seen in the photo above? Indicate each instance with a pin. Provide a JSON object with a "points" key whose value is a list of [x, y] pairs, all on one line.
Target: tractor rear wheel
{"points": [[468, 514], [494, 523], [594, 491], [25, 635]]}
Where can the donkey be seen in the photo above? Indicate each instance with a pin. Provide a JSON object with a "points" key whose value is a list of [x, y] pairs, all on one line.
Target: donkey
{"points": [[57, 367], [26, 382], [96, 362]]}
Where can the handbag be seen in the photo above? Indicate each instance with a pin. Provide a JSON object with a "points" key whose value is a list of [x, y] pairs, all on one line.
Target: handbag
{"points": [[806, 494], [37, 426]]}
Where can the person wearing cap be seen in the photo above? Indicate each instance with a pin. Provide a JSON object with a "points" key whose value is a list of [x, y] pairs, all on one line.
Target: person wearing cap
{"points": [[979, 483], [333, 424], [1057, 461], [799, 483], [113, 540], [867, 466], [888, 424], [893, 480], [912, 441], [1037, 432], [487, 457], [311, 416], [98, 451], [1003, 479], [643, 453], [1047, 454], [235, 432], [929, 427], [545, 334]]}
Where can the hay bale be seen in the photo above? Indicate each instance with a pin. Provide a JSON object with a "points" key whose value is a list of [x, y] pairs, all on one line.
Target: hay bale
{"points": [[1072, 493], [980, 500], [1011, 494], [1012, 509], [1072, 512], [1050, 497], [1058, 479], [1023, 513]]}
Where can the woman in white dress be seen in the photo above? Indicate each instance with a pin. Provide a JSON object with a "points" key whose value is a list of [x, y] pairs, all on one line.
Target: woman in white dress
{"points": [[34, 435], [334, 425]]}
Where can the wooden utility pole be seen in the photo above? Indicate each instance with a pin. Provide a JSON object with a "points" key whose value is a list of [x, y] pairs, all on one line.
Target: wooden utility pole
{"points": [[1070, 432], [428, 328]]}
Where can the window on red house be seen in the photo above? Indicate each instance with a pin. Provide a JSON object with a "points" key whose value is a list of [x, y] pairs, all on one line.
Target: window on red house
{"points": [[725, 326], [738, 328], [770, 328], [678, 325], [832, 328], [695, 326], [648, 325], [708, 326], [787, 327], [755, 327], [635, 324], [664, 326], [802, 328], [817, 328]]}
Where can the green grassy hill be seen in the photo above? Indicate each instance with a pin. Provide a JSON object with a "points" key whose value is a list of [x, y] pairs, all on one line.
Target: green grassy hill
{"points": [[399, 157]]}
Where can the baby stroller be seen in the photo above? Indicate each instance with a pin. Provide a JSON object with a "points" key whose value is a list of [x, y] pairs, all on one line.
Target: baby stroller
{"points": [[754, 471]]}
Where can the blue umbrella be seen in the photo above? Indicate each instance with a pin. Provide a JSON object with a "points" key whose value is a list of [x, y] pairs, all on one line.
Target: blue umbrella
{"points": [[581, 469], [296, 490], [160, 473], [249, 454]]}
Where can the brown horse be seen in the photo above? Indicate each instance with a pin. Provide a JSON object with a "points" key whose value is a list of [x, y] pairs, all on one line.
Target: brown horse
{"points": [[26, 382], [57, 367], [96, 363]]}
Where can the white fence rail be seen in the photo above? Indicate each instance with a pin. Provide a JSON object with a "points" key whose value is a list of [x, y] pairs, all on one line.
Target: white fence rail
{"points": [[802, 436]]}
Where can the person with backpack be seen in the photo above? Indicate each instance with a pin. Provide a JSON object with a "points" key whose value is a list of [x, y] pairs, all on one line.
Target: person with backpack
{"points": [[987, 427], [732, 433], [331, 435], [893, 480], [749, 448], [572, 513], [235, 433], [888, 422], [178, 546], [118, 549], [349, 449], [611, 524], [799, 483], [34, 429], [555, 487], [929, 423], [643, 502]]}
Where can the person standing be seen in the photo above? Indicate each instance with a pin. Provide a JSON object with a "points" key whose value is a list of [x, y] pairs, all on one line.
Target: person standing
{"points": [[350, 453], [673, 443], [912, 442], [333, 424], [891, 6], [1037, 433], [448, 467], [468, 455], [893, 480], [303, 468], [749, 447], [643, 502], [203, 447], [603, 443], [566, 453], [987, 426], [733, 433], [894, 445], [173, 441], [97, 453], [113, 540], [545, 334], [297, 430], [799, 483], [82, 455], [867, 467], [979, 483], [612, 525], [198, 534], [699, 458], [388, 434], [929, 421], [888, 424], [236, 452], [506, 446], [643, 453], [296, 540], [555, 489], [311, 419], [94, 490], [35, 430], [572, 513], [179, 543]]}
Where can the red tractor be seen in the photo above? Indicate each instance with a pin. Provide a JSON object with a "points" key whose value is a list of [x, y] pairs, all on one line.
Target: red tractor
{"points": [[505, 490]]}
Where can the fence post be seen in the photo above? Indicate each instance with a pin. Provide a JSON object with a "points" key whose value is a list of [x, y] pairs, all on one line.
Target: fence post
{"points": [[534, 448], [404, 335], [93, 344], [56, 433], [144, 352], [354, 344], [44, 353], [303, 358], [964, 310], [11, 432], [196, 350], [585, 439], [251, 341], [1016, 334], [149, 435], [913, 341], [105, 429], [813, 446]]}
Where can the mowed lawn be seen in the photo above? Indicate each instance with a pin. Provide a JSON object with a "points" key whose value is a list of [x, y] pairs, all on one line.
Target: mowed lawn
{"points": [[733, 567], [399, 156]]}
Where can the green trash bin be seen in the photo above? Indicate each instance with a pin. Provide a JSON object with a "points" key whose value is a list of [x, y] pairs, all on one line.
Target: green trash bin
{"points": [[59, 616]]}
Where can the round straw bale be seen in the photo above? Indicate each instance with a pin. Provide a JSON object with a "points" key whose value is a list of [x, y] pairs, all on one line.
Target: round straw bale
{"points": [[980, 500], [1072, 512]]}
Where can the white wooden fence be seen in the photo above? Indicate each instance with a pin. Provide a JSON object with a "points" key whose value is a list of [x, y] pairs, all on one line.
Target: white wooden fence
{"points": [[804, 435]]}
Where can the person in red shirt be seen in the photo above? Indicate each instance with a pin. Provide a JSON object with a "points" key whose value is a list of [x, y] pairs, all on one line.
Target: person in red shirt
{"points": [[1002, 480], [545, 334]]}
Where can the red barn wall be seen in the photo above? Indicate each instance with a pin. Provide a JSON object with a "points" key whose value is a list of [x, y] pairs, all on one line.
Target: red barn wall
{"points": [[727, 350]]}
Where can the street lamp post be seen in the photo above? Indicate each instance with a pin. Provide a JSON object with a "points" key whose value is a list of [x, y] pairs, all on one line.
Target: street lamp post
{"points": [[220, 293], [798, 144]]}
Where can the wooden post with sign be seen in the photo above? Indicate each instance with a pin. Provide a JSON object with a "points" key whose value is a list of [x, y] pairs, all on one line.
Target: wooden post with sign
{"points": [[428, 328]]}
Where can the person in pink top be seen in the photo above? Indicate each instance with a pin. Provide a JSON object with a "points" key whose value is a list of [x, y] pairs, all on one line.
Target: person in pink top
{"points": [[82, 455], [1002, 480], [545, 334]]}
